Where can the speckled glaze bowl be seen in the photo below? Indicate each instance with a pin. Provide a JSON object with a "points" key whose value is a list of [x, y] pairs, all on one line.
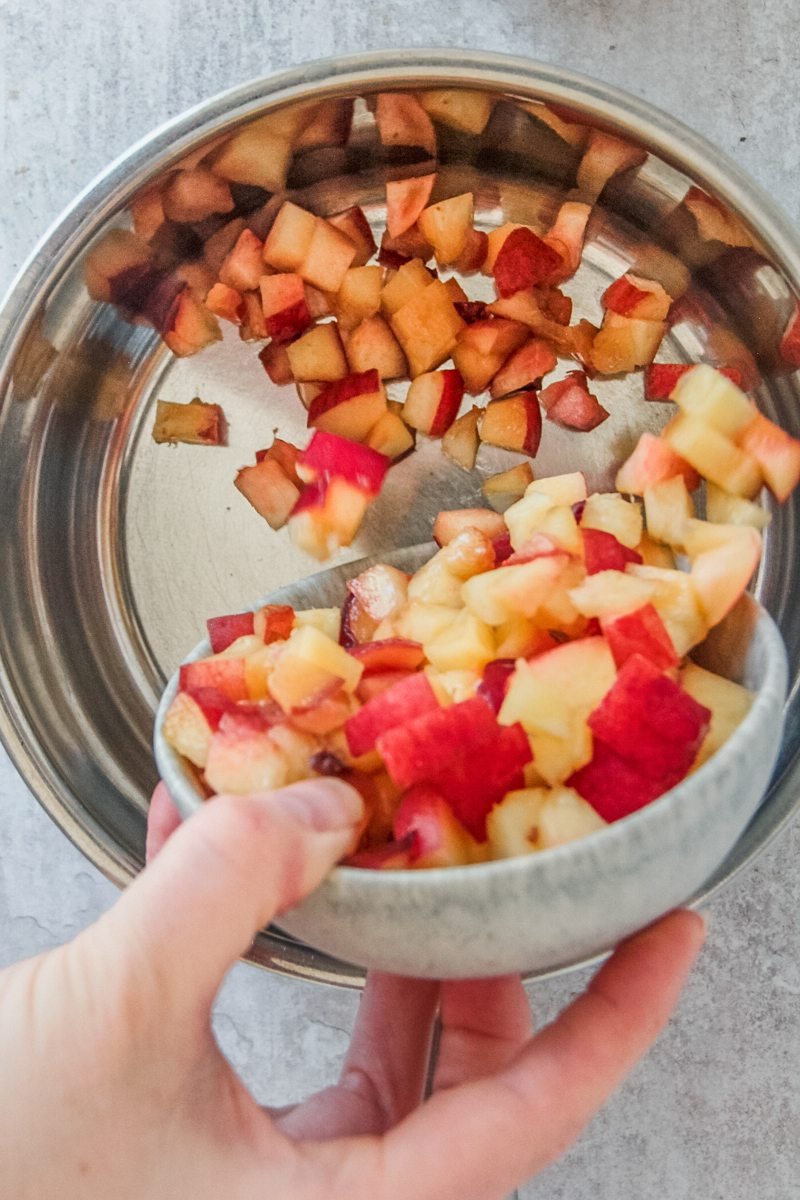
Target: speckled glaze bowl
{"points": [[546, 910]]}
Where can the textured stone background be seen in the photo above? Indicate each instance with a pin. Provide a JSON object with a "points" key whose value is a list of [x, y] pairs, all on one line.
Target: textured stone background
{"points": [[714, 1111]]}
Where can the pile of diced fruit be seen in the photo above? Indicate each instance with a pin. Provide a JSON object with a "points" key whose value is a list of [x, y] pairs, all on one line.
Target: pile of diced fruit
{"points": [[340, 325], [530, 682]]}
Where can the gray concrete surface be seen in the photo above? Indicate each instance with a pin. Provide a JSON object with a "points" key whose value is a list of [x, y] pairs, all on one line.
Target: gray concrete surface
{"points": [[714, 1112]]}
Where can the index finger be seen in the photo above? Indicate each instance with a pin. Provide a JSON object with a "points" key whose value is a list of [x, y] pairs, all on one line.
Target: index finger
{"points": [[513, 1124]]}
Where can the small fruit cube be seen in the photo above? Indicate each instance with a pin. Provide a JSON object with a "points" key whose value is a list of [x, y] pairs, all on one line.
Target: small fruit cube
{"points": [[318, 355], [197, 423]]}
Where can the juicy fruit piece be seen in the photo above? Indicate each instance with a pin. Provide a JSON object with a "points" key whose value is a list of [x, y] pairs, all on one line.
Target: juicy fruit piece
{"points": [[566, 235], [318, 355], [350, 406], [224, 675], [222, 631], [406, 283], [625, 343], [513, 424], [668, 508], [390, 436], [451, 522], [496, 596], [734, 510], [775, 453], [467, 643], [710, 397], [373, 345], [327, 515], [728, 703], [438, 839], [359, 296], [446, 225], [603, 552], [564, 817], [187, 730], [640, 632], [524, 369], [721, 575], [613, 514], [354, 225], [513, 825], [611, 593], [406, 701], [661, 379], [524, 260], [390, 654], [270, 491], [631, 296], [308, 665], [505, 488], [225, 302], [651, 722], [652, 461], [405, 200], [674, 596], [482, 348], [460, 442], [714, 455], [327, 455], [197, 423], [570, 403], [427, 327], [243, 758], [433, 401]]}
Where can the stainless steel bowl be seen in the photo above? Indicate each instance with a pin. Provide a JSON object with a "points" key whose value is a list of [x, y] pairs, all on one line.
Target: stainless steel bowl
{"points": [[114, 550]]}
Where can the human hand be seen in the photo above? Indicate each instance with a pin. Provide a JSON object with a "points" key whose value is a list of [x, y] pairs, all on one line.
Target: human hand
{"points": [[112, 1084]]}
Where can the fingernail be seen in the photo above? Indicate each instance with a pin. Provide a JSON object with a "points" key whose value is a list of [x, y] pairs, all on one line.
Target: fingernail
{"points": [[323, 805]]}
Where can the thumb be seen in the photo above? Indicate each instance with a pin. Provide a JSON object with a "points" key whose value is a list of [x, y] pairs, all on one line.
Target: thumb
{"points": [[224, 874]]}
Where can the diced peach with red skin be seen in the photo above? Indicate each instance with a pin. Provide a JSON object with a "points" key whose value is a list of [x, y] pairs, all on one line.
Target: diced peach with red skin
{"points": [[378, 682], [226, 675], [650, 721], [389, 654], [721, 575], [196, 194], [482, 771], [243, 758], [273, 622], [224, 630], [380, 592], [359, 296], [433, 401], [570, 403], [482, 348], [513, 424], [427, 328], [212, 703], [286, 454], [524, 369], [283, 300], [192, 327], [473, 256], [505, 487], [405, 201], [438, 837], [460, 442], [357, 625], [777, 455], [404, 285], [326, 711], [790, 341], [187, 730], [451, 522], [327, 454], [603, 552], [446, 225], [225, 302], [270, 491], [404, 702], [525, 259], [630, 296], [196, 423], [354, 224], [372, 344], [402, 121], [640, 632], [613, 787], [253, 327], [275, 362], [307, 391], [661, 379], [395, 252], [327, 515], [349, 407], [318, 355], [567, 234], [494, 681], [652, 461], [603, 157]]}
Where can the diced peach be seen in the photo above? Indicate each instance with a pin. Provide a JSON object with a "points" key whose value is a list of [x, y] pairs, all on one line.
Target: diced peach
{"points": [[734, 510], [525, 259], [643, 299], [503, 489], [427, 328], [197, 423], [405, 201], [372, 344], [446, 226], [318, 355], [613, 514], [359, 296], [524, 369], [289, 239], [661, 379], [496, 240], [329, 255], [433, 401], [513, 424], [653, 460], [483, 347], [714, 455], [460, 441], [192, 327], [354, 224], [244, 265], [327, 515], [187, 730], [451, 522], [270, 491], [404, 285], [625, 343], [283, 300], [390, 436], [569, 402], [496, 596], [473, 256], [776, 453], [675, 598], [728, 703], [710, 397], [243, 758], [225, 302], [275, 362], [253, 327], [349, 407], [567, 234], [286, 454], [668, 507], [721, 575]]}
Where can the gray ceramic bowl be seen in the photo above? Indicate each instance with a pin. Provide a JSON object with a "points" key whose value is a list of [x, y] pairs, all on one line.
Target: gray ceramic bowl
{"points": [[113, 550], [546, 910]]}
